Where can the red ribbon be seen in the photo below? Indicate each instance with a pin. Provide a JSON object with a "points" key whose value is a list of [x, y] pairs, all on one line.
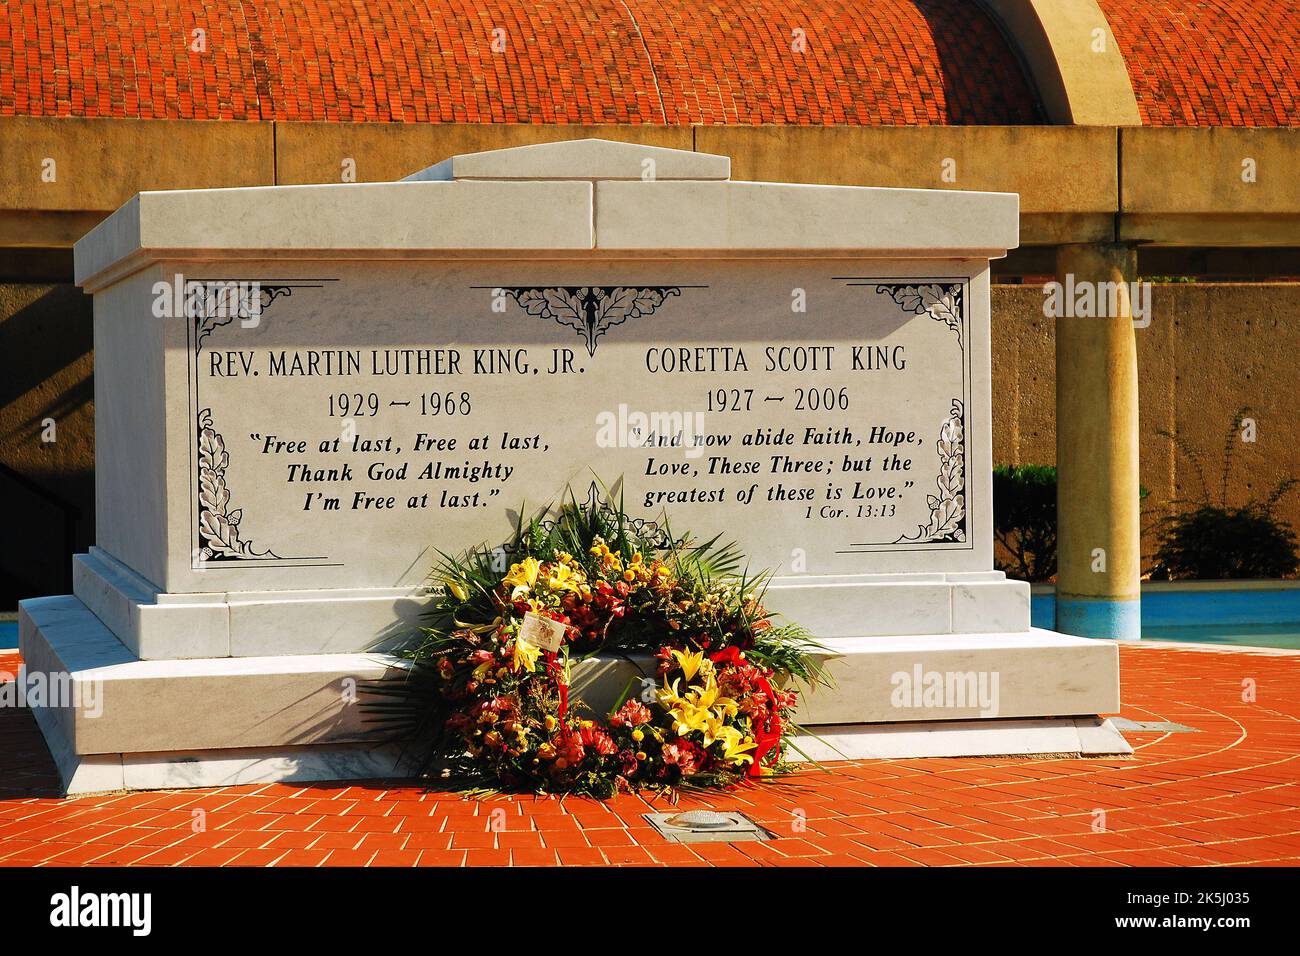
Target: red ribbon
{"points": [[553, 664], [767, 736], [770, 735]]}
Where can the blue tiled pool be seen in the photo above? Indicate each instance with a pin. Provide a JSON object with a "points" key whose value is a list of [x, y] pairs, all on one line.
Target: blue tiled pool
{"points": [[1201, 613], [8, 634]]}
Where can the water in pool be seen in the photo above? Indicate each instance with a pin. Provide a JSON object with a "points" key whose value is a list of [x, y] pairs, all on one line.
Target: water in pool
{"points": [[1251, 635], [1231, 617]]}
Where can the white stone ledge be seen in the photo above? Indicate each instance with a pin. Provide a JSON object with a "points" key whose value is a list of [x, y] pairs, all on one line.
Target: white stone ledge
{"points": [[391, 217], [1039, 674], [1086, 737], [213, 703], [857, 220], [157, 625], [582, 198]]}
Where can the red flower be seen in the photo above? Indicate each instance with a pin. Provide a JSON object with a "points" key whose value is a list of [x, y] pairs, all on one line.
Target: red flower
{"points": [[631, 714], [683, 755]]}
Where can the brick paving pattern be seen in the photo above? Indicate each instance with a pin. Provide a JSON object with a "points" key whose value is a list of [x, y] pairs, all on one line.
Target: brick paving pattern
{"points": [[1226, 794]]}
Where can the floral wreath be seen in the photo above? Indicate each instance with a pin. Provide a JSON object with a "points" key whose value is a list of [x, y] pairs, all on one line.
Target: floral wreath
{"points": [[490, 691]]}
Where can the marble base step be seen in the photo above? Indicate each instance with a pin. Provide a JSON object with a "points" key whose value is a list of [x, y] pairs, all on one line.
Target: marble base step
{"points": [[935, 677], [157, 625], [1079, 736], [140, 724]]}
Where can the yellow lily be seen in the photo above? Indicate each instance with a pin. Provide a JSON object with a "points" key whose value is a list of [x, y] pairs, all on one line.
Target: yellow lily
{"points": [[710, 698], [692, 664], [735, 745], [525, 656], [686, 716], [456, 588], [522, 577], [564, 578]]}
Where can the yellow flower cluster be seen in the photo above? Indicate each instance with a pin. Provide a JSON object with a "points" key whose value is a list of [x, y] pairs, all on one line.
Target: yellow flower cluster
{"points": [[636, 570], [705, 708], [530, 575], [610, 561]]}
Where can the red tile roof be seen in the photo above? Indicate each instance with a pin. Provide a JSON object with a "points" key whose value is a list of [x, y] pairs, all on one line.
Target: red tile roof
{"points": [[1211, 62], [878, 62]]}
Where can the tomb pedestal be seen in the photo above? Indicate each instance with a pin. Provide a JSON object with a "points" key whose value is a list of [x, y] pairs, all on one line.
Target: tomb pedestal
{"points": [[804, 369]]}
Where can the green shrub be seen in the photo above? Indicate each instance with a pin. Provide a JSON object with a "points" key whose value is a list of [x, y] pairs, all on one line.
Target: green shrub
{"points": [[1207, 539], [1024, 519], [1213, 542]]}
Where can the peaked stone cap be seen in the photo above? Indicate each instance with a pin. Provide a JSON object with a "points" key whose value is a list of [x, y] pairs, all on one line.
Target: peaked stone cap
{"points": [[580, 159]]}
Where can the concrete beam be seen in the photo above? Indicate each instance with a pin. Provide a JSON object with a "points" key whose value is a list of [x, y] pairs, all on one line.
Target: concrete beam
{"points": [[1216, 186], [1067, 178], [94, 165], [1182, 187]]}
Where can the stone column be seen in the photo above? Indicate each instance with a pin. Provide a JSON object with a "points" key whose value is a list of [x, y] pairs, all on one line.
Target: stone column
{"points": [[1098, 537]]}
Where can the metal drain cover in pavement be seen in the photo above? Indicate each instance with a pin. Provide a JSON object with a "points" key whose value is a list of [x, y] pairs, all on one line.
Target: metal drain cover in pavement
{"points": [[707, 826], [1150, 726]]}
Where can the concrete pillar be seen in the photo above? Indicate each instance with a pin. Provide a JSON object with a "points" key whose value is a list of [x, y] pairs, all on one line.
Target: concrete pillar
{"points": [[1098, 533]]}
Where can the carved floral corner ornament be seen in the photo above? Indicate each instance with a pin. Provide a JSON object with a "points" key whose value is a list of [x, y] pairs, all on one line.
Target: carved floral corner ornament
{"points": [[941, 303], [591, 311], [216, 304], [218, 522], [948, 507], [227, 303]]}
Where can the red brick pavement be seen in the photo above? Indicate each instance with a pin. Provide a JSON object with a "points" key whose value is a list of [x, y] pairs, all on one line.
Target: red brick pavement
{"points": [[1226, 794]]}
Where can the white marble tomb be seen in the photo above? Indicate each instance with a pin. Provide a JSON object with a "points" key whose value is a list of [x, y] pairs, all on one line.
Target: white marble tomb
{"points": [[804, 369]]}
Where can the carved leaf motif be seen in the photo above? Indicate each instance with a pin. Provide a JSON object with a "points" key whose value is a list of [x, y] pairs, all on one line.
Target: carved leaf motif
{"points": [[942, 304], [219, 534], [218, 526], [623, 303], [943, 307], [948, 507], [591, 310]]}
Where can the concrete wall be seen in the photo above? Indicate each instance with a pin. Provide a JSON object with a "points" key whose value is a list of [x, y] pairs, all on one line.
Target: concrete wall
{"points": [[1210, 348], [46, 487]]}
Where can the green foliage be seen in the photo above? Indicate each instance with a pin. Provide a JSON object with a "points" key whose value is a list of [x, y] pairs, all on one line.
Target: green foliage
{"points": [[1024, 519], [1206, 538], [1211, 542], [622, 586]]}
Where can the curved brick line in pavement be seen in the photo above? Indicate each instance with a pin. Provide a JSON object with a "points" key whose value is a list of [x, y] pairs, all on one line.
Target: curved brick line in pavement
{"points": [[1227, 794]]}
